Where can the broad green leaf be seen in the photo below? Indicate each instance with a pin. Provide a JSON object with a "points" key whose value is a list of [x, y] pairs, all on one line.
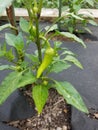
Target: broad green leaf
{"points": [[19, 42], [93, 22], [72, 36], [71, 95], [67, 52], [76, 16], [25, 79], [15, 41], [24, 25], [57, 44], [76, 7], [90, 2], [10, 38], [74, 61], [59, 66], [71, 29], [13, 81], [88, 30], [6, 26], [40, 95], [4, 4], [3, 67], [32, 57], [51, 28]]}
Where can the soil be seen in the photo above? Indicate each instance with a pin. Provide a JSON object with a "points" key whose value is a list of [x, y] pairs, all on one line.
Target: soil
{"points": [[56, 115]]}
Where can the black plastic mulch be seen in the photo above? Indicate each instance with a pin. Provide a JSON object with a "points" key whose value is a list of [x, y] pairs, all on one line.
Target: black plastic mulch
{"points": [[86, 82], [3, 126]]}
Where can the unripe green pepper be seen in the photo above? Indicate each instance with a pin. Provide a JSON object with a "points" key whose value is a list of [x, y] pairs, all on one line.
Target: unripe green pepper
{"points": [[45, 82], [35, 9], [49, 54], [32, 30]]}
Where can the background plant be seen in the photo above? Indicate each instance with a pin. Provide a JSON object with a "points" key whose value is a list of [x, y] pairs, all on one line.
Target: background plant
{"points": [[55, 3], [73, 18], [34, 68]]}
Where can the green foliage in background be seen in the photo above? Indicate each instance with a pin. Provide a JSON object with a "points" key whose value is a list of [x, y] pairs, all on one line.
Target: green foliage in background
{"points": [[55, 3]]}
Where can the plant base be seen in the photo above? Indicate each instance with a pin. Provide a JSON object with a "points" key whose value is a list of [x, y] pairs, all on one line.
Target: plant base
{"points": [[55, 116]]}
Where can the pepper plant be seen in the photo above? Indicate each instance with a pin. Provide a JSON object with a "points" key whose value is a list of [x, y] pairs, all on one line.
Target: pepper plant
{"points": [[72, 20], [34, 67]]}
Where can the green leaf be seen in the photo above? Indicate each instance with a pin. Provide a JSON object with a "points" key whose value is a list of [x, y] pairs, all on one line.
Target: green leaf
{"points": [[71, 95], [2, 53], [32, 57], [76, 7], [4, 4], [26, 78], [74, 61], [13, 81], [93, 22], [90, 2], [76, 16], [24, 25], [57, 44], [19, 42], [72, 36], [40, 95], [9, 55], [10, 38], [3, 67], [15, 41], [88, 30], [67, 52], [59, 66], [51, 28], [5, 26]]}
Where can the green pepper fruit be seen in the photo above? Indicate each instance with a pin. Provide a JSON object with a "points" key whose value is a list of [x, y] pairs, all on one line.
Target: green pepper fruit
{"points": [[35, 9], [32, 30], [45, 82], [48, 57]]}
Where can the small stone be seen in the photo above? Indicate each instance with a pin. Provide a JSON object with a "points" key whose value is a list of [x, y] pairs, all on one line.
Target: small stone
{"points": [[49, 119], [64, 127], [28, 124], [54, 114], [34, 125], [59, 128]]}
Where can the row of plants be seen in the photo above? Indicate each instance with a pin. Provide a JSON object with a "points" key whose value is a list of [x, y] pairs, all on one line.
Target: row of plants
{"points": [[66, 4], [71, 17]]}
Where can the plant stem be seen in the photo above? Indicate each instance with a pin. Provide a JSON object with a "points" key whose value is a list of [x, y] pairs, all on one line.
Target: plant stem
{"points": [[38, 40], [40, 6], [11, 17], [60, 12]]}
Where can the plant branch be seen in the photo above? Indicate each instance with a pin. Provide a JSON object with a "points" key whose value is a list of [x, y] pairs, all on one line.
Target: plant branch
{"points": [[40, 7], [38, 40], [60, 12], [11, 17]]}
